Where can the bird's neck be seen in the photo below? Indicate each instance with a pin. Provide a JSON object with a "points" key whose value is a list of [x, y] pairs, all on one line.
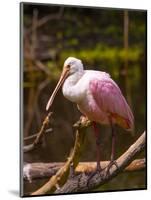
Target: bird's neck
{"points": [[74, 78], [70, 90]]}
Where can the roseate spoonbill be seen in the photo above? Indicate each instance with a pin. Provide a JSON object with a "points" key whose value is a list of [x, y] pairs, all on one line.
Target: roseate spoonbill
{"points": [[97, 96]]}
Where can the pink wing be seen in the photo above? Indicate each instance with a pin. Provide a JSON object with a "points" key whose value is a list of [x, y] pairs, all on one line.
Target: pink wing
{"points": [[109, 98]]}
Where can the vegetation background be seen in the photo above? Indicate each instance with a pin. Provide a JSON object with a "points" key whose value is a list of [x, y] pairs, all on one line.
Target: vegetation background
{"points": [[111, 40]]}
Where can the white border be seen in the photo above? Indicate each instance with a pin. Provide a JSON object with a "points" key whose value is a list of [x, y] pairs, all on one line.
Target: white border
{"points": [[9, 98]]}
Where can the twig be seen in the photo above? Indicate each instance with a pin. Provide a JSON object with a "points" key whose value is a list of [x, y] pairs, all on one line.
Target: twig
{"points": [[43, 170], [61, 176], [82, 183], [30, 137], [36, 95], [35, 135], [40, 134]]}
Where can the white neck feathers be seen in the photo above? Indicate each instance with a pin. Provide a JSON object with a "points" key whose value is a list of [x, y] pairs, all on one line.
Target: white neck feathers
{"points": [[69, 89]]}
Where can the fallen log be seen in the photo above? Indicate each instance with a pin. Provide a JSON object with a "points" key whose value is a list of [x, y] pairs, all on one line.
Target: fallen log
{"points": [[44, 170]]}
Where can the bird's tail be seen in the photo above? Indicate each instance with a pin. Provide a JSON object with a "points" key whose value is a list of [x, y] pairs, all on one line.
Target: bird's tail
{"points": [[125, 123]]}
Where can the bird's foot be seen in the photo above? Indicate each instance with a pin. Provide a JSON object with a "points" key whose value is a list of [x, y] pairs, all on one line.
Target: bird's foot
{"points": [[112, 162], [98, 170]]}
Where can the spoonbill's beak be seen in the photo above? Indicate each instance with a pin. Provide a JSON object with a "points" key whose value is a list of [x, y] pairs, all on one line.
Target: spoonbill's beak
{"points": [[63, 76]]}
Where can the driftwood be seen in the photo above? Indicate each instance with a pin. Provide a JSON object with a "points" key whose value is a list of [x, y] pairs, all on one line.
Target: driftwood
{"points": [[84, 182], [66, 181], [44, 170], [39, 135]]}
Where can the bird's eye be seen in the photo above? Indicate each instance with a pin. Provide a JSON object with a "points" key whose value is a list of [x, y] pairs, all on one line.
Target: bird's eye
{"points": [[68, 66]]}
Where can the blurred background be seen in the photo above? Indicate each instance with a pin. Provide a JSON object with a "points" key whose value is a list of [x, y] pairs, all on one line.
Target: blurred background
{"points": [[111, 40]]}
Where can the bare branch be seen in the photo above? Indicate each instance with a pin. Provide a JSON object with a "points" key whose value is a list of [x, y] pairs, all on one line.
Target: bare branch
{"points": [[40, 134], [61, 176], [35, 135], [43, 170], [82, 183]]}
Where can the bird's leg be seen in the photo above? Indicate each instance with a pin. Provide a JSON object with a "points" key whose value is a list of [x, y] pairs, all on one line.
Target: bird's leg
{"points": [[96, 132], [98, 166], [113, 135]]}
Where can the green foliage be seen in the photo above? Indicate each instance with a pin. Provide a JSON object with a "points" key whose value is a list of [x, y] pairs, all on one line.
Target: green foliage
{"points": [[54, 70]]}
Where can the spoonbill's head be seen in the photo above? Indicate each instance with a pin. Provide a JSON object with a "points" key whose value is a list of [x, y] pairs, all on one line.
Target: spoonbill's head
{"points": [[71, 66]]}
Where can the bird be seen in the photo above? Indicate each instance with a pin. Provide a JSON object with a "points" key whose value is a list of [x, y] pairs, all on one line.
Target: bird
{"points": [[98, 98]]}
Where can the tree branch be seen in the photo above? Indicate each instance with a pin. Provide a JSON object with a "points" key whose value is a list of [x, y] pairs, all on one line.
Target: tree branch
{"points": [[62, 174], [43, 170], [82, 183], [31, 137], [39, 135]]}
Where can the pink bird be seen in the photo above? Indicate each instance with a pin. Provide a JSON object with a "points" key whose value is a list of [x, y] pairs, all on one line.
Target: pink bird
{"points": [[97, 96]]}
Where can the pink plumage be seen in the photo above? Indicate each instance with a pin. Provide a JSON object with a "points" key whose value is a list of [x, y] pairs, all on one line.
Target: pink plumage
{"points": [[103, 100], [111, 101]]}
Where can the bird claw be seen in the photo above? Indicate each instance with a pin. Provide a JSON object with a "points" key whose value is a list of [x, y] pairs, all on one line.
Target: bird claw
{"points": [[112, 162], [97, 170]]}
